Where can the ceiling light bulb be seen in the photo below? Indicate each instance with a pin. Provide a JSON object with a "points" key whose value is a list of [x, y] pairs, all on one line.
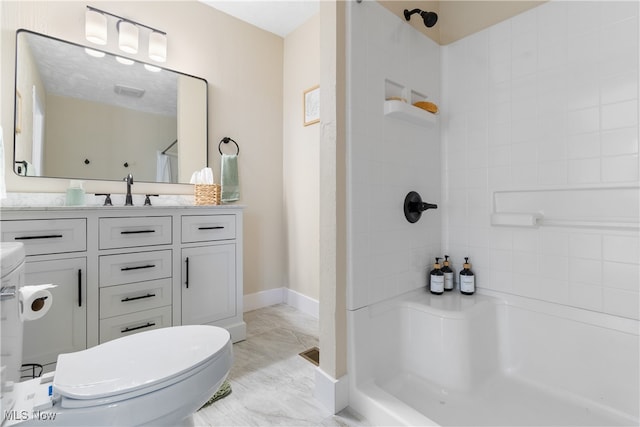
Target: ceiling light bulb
{"points": [[158, 46], [124, 61], [152, 68], [94, 53], [95, 27], [128, 37]]}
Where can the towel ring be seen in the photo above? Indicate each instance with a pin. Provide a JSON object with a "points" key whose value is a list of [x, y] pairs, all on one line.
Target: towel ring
{"points": [[226, 140]]}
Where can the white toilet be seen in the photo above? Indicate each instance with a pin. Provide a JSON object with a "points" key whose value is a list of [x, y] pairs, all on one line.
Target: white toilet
{"points": [[158, 377]]}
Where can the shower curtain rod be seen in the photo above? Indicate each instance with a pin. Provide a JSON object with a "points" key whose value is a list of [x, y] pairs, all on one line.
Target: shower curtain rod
{"points": [[172, 144]]}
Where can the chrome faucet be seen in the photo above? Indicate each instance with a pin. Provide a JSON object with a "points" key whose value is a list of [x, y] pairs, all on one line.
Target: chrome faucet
{"points": [[129, 179]]}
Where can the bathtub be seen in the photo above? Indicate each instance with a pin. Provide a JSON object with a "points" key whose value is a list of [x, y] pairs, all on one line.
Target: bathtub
{"points": [[423, 359]]}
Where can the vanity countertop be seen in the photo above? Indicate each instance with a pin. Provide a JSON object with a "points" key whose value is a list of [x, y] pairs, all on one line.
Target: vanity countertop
{"points": [[55, 202], [112, 208]]}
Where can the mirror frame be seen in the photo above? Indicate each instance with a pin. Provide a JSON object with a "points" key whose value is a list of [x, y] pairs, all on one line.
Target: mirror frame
{"points": [[17, 113]]}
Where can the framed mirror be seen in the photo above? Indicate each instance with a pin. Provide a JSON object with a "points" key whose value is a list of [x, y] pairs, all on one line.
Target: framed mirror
{"points": [[88, 114]]}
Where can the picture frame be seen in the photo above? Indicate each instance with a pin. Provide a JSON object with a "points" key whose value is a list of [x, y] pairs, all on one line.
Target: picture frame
{"points": [[311, 104], [18, 124]]}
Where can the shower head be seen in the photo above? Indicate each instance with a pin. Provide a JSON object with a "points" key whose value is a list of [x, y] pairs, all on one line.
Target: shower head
{"points": [[429, 18]]}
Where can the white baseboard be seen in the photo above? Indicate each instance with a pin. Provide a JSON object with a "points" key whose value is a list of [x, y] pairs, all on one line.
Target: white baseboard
{"points": [[332, 393], [263, 299], [302, 302], [287, 296]]}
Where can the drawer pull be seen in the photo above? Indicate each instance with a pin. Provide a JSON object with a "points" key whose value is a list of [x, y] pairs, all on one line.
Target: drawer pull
{"points": [[46, 236], [137, 298], [186, 261], [148, 325], [79, 288], [214, 227], [138, 267], [137, 231]]}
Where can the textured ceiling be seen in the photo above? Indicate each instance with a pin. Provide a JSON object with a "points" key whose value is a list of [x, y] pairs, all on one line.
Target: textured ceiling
{"points": [[67, 70]]}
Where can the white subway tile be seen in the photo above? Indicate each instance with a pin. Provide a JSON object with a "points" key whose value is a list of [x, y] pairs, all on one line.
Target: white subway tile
{"points": [[525, 241], [585, 245], [621, 276], [586, 296], [620, 40], [583, 17], [583, 145], [583, 121], [553, 267], [525, 263], [499, 156], [585, 271], [554, 243], [620, 141], [620, 169], [553, 173], [620, 115], [621, 87], [621, 303], [618, 11], [621, 248], [584, 171]]}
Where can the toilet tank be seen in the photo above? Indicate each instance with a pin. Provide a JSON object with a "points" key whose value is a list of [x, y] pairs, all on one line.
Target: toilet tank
{"points": [[12, 270]]}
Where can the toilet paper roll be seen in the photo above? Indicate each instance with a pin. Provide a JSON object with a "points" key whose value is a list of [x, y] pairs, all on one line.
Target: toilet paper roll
{"points": [[35, 301]]}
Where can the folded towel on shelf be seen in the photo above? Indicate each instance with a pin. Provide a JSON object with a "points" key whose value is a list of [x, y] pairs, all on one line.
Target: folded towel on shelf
{"points": [[229, 178]]}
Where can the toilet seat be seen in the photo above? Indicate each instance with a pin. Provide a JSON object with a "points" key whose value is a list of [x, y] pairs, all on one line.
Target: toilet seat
{"points": [[136, 364]]}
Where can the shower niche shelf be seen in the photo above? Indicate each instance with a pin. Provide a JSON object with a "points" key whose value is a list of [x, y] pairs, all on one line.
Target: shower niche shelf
{"points": [[399, 102], [404, 111]]}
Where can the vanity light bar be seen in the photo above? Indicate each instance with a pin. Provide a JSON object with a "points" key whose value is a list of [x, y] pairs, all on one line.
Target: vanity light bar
{"points": [[96, 32]]}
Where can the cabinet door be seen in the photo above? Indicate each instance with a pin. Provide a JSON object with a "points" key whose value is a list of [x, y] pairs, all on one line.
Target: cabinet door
{"points": [[208, 284], [64, 328]]}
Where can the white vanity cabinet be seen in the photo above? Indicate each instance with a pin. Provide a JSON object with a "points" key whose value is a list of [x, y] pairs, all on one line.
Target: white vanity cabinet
{"points": [[56, 254], [123, 270], [64, 328], [209, 257]]}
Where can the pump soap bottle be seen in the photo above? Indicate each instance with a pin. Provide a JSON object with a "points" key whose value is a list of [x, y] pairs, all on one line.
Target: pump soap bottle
{"points": [[467, 279], [75, 194], [448, 274], [436, 279]]}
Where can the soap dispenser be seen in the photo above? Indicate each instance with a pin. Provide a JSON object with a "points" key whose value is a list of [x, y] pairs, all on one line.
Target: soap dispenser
{"points": [[467, 279], [436, 279], [75, 194], [448, 274]]}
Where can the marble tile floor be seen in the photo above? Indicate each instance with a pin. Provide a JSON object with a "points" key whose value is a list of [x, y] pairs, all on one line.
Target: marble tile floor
{"points": [[272, 385]]}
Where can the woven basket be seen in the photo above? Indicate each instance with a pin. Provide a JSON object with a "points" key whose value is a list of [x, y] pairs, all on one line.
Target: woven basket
{"points": [[207, 194]]}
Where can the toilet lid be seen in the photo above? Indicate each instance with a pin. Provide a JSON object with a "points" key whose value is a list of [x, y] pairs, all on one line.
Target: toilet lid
{"points": [[137, 362]]}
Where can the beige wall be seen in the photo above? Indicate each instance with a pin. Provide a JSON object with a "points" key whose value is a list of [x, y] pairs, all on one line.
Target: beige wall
{"points": [[113, 130], [243, 104], [301, 161]]}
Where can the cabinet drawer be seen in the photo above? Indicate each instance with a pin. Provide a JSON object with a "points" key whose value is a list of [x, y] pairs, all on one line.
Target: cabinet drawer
{"points": [[125, 299], [203, 228], [129, 324], [134, 231], [47, 236], [134, 267]]}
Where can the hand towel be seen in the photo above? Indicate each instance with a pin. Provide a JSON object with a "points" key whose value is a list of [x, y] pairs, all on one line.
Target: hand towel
{"points": [[229, 178], [163, 167]]}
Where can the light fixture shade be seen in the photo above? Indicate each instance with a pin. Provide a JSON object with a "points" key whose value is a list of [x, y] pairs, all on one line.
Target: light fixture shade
{"points": [[124, 61], [95, 27], [158, 46], [128, 37]]}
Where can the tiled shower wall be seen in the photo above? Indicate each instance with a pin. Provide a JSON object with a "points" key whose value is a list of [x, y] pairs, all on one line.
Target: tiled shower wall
{"points": [[389, 156], [545, 100]]}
